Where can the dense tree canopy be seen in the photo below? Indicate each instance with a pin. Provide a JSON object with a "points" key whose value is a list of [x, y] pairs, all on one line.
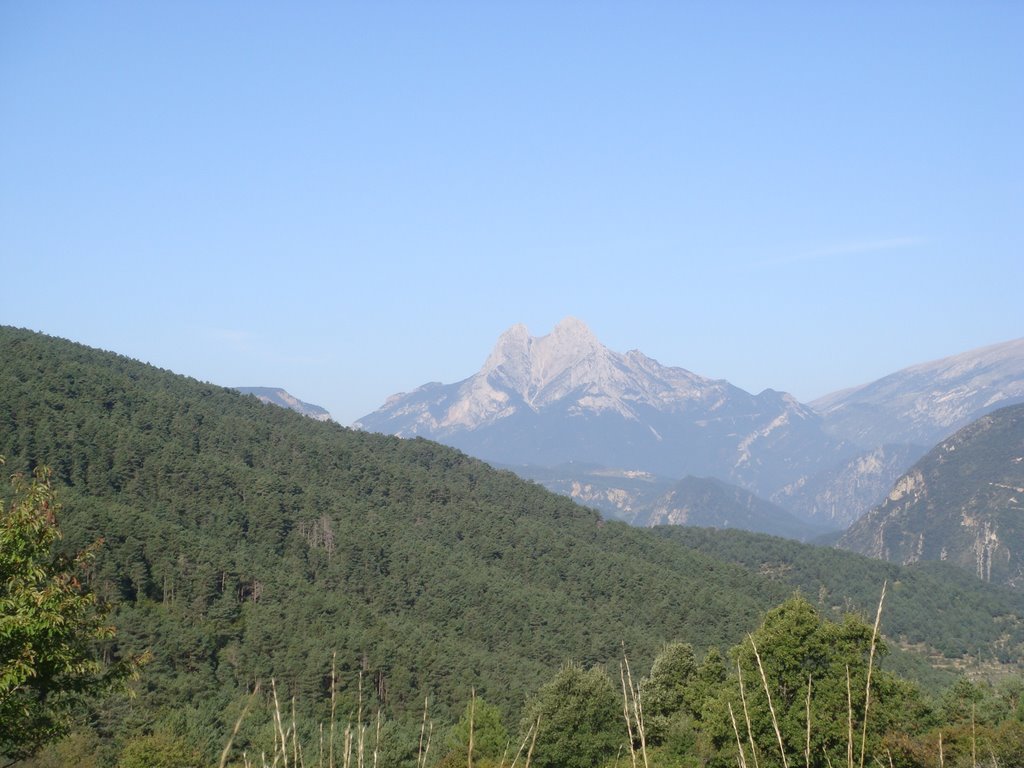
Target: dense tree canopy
{"points": [[578, 719]]}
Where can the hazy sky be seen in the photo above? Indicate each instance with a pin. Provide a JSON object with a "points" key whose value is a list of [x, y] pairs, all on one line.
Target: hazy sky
{"points": [[349, 200]]}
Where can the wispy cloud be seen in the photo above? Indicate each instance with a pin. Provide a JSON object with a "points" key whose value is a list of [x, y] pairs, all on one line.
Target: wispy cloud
{"points": [[839, 250], [241, 341], [254, 347]]}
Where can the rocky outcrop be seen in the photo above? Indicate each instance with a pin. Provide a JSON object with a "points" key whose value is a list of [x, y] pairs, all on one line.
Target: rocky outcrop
{"points": [[963, 502], [281, 398]]}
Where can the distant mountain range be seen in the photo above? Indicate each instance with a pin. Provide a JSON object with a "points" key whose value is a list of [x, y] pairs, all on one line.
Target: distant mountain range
{"points": [[279, 397], [617, 430], [963, 502], [566, 397]]}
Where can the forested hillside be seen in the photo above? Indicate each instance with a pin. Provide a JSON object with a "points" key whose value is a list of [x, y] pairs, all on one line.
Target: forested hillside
{"points": [[936, 605], [242, 541]]}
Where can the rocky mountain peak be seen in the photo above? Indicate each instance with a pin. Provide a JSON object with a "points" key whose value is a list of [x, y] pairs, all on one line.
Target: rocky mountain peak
{"points": [[528, 365]]}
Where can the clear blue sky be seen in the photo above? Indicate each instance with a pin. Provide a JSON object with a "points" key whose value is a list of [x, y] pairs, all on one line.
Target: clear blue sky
{"points": [[349, 200]]}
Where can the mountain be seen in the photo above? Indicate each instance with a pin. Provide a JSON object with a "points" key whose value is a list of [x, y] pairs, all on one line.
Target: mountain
{"points": [[565, 397], [963, 502], [707, 502], [282, 399], [926, 403], [895, 420]]}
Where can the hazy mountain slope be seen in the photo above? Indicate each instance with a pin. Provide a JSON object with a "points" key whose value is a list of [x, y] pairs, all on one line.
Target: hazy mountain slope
{"points": [[963, 502], [283, 399], [925, 403], [707, 502], [618, 494], [565, 397], [643, 499], [840, 495]]}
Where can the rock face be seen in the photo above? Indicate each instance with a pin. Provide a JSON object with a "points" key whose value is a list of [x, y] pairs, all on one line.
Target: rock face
{"points": [[279, 397], [926, 403], [962, 502], [565, 397]]}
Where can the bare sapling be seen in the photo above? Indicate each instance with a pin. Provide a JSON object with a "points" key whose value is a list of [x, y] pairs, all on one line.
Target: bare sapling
{"points": [[849, 719], [638, 712], [871, 662], [746, 715], [771, 707], [472, 709], [238, 724], [807, 748], [360, 730], [739, 742], [533, 743], [280, 739], [334, 706], [626, 715], [974, 740], [522, 746], [423, 730], [376, 740]]}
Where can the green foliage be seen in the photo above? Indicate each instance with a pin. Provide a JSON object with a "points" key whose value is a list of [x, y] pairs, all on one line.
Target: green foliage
{"points": [[936, 605], [50, 626], [490, 739], [664, 693], [79, 748], [580, 719], [708, 680], [161, 749], [801, 653]]}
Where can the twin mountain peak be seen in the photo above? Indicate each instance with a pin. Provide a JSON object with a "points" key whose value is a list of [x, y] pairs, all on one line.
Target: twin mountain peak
{"points": [[618, 430], [568, 369]]}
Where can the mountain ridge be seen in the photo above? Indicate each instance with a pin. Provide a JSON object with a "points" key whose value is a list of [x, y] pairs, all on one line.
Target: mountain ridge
{"points": [[926, 402]]}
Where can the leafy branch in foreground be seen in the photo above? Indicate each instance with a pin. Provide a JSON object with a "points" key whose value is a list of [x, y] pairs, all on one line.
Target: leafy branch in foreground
{"points": [[50, 626]]}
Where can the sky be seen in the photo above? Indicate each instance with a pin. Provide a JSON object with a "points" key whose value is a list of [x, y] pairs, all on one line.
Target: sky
{"points": [[348, 200]]}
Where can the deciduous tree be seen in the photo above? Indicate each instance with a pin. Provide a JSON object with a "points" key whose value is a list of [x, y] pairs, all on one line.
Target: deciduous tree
{"points": [[50, 626]]}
